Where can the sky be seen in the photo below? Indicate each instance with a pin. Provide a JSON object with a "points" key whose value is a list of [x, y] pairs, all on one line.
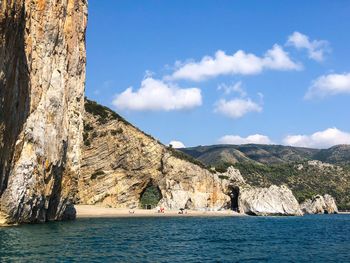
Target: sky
{"points": [[193, 72]]}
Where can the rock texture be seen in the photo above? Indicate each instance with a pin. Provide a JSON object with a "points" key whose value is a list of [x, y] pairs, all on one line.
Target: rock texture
{"points": [[42, 75], [320, 205], [120, 162], [259, 201], [274, 200]]}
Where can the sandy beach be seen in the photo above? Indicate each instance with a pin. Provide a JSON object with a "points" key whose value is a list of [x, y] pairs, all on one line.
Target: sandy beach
{"points": [[91, 211]]}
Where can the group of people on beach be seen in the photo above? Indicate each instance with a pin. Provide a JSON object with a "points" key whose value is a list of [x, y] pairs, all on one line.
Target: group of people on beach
{"points": [[181, 210], [161, 210]]}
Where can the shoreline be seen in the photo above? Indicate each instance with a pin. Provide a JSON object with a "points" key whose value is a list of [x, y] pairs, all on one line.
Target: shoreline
{"points": [[92, 211]]}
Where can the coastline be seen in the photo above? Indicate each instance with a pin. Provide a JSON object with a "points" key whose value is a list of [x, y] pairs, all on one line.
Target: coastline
{"points": [[92, 211]]}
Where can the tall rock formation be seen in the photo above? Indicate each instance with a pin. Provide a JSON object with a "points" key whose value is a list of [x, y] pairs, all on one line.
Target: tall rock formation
{"points": [[120, 162], [320, 205], [273, 200], [259, 201], [42, 76]]}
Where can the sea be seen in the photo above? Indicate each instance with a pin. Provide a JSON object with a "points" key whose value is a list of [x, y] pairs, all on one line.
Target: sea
{"points": [[312, 238]]}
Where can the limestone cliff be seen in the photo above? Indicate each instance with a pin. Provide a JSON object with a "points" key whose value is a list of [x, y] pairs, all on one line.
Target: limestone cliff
{"points": [[120, 162], [42, 75], [273, 200], [320, 205]]}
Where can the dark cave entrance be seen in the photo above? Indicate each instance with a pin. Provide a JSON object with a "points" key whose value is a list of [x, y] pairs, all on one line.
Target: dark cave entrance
{"points": [[234, 195], [150, 196]]}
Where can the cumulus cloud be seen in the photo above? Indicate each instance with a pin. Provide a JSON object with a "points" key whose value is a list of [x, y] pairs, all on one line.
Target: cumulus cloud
{"points": [[237, 108], [157, 95], [177, 144], [235, 139], [236, 87], [320, 139], [239, 63], [315, 48], [327, 85]]}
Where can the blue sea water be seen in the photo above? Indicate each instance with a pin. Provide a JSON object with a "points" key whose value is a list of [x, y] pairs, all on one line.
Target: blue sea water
{"points": [[317, 238]]}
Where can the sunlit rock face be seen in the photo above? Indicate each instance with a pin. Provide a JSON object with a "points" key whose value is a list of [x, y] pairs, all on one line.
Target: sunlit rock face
{"points": [[42, 76], [274, 200], [259, 201], [320, 205], [120, 162]]}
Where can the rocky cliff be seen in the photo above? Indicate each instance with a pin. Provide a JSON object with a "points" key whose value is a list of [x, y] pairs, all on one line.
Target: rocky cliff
{"points": [[120, 163], [320, 205], [259, 201], [42, 75], [274, 200]]}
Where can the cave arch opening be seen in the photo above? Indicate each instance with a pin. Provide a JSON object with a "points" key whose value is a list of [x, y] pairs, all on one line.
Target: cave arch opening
{"points": [[150, 196], [234, 196]]}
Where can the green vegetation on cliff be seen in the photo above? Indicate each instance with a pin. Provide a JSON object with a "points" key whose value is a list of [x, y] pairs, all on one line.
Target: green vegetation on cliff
{"points": [[103, 115], [264, 165], [303, 179], [186, 157]]}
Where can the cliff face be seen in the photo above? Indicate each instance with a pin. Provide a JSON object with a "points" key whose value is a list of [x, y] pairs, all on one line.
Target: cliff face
{"points": [[42, 75], [320, 205], [274, 200], [120, 162]]}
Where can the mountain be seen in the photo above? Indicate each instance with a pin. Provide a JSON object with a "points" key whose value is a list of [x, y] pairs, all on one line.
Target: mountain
{"points": [[306, 171], [339, 154], [267, 154]]}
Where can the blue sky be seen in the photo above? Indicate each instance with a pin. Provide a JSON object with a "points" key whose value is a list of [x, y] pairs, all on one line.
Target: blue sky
{"points": [[257, 89]]}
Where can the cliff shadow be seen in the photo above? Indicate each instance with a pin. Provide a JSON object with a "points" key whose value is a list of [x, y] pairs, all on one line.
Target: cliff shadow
{"points": [[14, 85], [234, 196]]}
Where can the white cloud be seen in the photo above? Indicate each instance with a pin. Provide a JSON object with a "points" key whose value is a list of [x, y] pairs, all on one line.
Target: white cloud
{"points": [[228, 89], [327, 85], [237, 108], [320, 139], [238, 63], [235, 139], [176, 144], [316, 48], [157, 95]]}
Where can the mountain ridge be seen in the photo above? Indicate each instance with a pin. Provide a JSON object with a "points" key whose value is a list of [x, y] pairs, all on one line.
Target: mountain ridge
{"points": [[307, 172], [267, 154]]}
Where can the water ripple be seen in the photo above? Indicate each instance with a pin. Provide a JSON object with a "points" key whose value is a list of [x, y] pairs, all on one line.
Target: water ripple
{"points": [[323, 238]]}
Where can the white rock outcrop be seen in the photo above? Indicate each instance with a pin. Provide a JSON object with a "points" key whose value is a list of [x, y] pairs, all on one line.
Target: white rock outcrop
{"points": [[320, 205], [274, 200]]}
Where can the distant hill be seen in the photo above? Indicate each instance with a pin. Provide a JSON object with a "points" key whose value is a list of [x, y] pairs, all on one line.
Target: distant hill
{"points": [[264, 165], [339, 154], [267, 154]]}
